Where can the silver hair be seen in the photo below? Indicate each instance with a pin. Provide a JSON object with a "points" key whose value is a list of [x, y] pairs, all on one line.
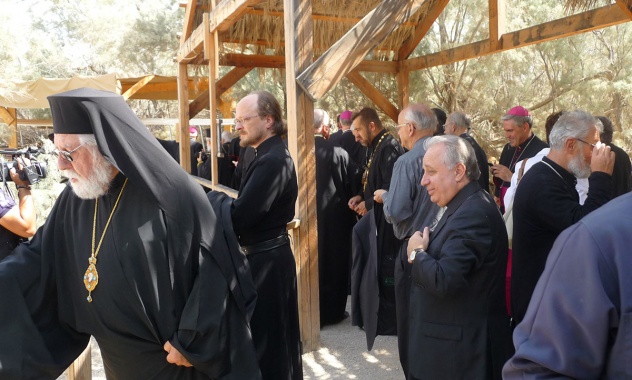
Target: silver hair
{"points": [[87, 139], [227, 136], [460, 119], [519, 120], [420, 119], [573, 125], [321, 117], [457, 150]]}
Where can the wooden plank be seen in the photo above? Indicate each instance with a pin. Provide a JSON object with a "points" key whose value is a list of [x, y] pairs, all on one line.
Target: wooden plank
{"points": [[497, 23], [300, 120], [623, 4], [211, 51], [403, 95], [193, 47], [81, 368], [422, 28], [278, 62], [9, 115], [374, 94], [182, 132], [351, 49], [136, 87], [316, 17], [564, 27], [221, 86], [189, 18], [227, 12]]}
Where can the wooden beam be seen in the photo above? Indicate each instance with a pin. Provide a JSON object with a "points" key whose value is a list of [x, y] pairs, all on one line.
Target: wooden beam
{"points": [[300, 119], [497, 22], [623, 4], [221, 86], [567, 26], [374, 94], [136, 87], [9, 115], [81, 368], [212, 54], [182, 132], [422, 28], [403, 95], [189, 17], [278, 62], [193, 47], [316, 17], [227, 12], [351, 49]]}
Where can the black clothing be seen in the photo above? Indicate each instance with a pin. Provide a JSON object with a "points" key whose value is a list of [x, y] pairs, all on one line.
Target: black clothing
{"points": [[334, 138], [357, 153], [8, 240], [622, 172], [195, 150], [225, 167], [545, 204], [164, 262], [246, 155], [335, 221], [265, 205], [481, 158], [459, 327], [379, 177], [510, 156], [173, 148]]}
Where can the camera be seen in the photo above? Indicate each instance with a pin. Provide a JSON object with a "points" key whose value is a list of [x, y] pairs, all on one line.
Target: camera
{"points": [[31, 173]]}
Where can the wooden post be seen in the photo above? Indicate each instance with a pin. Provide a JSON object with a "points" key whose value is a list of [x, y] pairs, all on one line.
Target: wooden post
{"points": [[183, 117], [300, 120], [81, 368], [9, 115], [212, 56], [403, 93]]}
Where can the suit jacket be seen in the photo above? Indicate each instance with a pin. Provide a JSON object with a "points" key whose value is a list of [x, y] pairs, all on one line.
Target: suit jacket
{"points": [[459, 328]]}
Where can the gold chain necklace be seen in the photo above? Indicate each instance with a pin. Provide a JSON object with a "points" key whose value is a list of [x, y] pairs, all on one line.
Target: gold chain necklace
{"points": [[91, 277], [365, 175]]}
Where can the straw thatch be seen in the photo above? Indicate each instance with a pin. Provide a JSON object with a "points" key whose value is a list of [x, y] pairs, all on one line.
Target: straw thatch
{"points": [[580, 5], [261, 29]]}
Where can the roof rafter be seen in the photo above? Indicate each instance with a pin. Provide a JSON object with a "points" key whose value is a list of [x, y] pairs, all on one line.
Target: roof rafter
{"points": [[422, 29]]}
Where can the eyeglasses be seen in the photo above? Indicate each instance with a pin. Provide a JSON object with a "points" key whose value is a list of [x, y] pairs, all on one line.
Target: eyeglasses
{"points": [[243, 120], [585, 142], [402, 124], [65, 154]]}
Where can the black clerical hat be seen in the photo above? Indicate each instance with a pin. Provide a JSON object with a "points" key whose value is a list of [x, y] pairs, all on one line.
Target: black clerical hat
{"points": [[71, 116]]}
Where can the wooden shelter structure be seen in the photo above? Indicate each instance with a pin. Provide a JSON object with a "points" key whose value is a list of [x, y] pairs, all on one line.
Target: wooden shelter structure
{"points": [[319, 42]]}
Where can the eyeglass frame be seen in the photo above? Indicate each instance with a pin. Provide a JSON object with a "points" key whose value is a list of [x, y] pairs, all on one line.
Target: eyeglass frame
{"points": [[66, 155], [586, 142], [243, 120], [398, 126]]}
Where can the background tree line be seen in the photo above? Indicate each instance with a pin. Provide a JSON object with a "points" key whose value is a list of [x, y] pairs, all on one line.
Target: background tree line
{"points": [[61, 38]]}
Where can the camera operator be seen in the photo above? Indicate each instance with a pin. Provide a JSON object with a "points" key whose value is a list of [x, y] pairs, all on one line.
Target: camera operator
{"points": [[17, 221]]}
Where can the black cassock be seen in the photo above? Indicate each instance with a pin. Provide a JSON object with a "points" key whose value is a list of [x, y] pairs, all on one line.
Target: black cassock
{"points": [[335, 222], [166, 270], [387, 245], [265, 205]]}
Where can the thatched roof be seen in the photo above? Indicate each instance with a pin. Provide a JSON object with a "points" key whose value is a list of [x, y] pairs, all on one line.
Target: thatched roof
{"points": [[261, 31]]}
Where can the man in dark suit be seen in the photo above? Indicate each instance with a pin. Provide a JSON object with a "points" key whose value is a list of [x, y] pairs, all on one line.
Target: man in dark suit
{"points": [[459, 327], [459, 124], [622, 172]]}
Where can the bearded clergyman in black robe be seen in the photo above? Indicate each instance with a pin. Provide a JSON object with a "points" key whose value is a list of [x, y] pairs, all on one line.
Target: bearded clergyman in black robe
{"points": [[132, 254], [334, 176]]}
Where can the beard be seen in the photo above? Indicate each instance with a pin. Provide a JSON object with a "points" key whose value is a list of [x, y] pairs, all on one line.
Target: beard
{"points": [[96, 183], [579, 167]]}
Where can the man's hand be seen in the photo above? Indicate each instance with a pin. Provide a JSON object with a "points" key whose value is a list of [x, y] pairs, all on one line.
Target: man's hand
{"points": [[602, 159], [502, 172], [175, 357], [15, 176], [360, 209], [354, 201], [418, 240], [377, 195]]}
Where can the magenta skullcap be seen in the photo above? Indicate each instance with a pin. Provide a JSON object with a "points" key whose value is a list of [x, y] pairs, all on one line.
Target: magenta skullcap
{"points": [[518, 111], [346, 115], [193, 131]]}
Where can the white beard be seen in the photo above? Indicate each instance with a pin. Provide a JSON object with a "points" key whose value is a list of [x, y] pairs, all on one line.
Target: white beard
{"points": [[97, 182], [579, 167]]}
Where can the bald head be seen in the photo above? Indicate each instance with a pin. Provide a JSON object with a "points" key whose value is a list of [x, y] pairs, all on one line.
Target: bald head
{"points": [[415, 121]]}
